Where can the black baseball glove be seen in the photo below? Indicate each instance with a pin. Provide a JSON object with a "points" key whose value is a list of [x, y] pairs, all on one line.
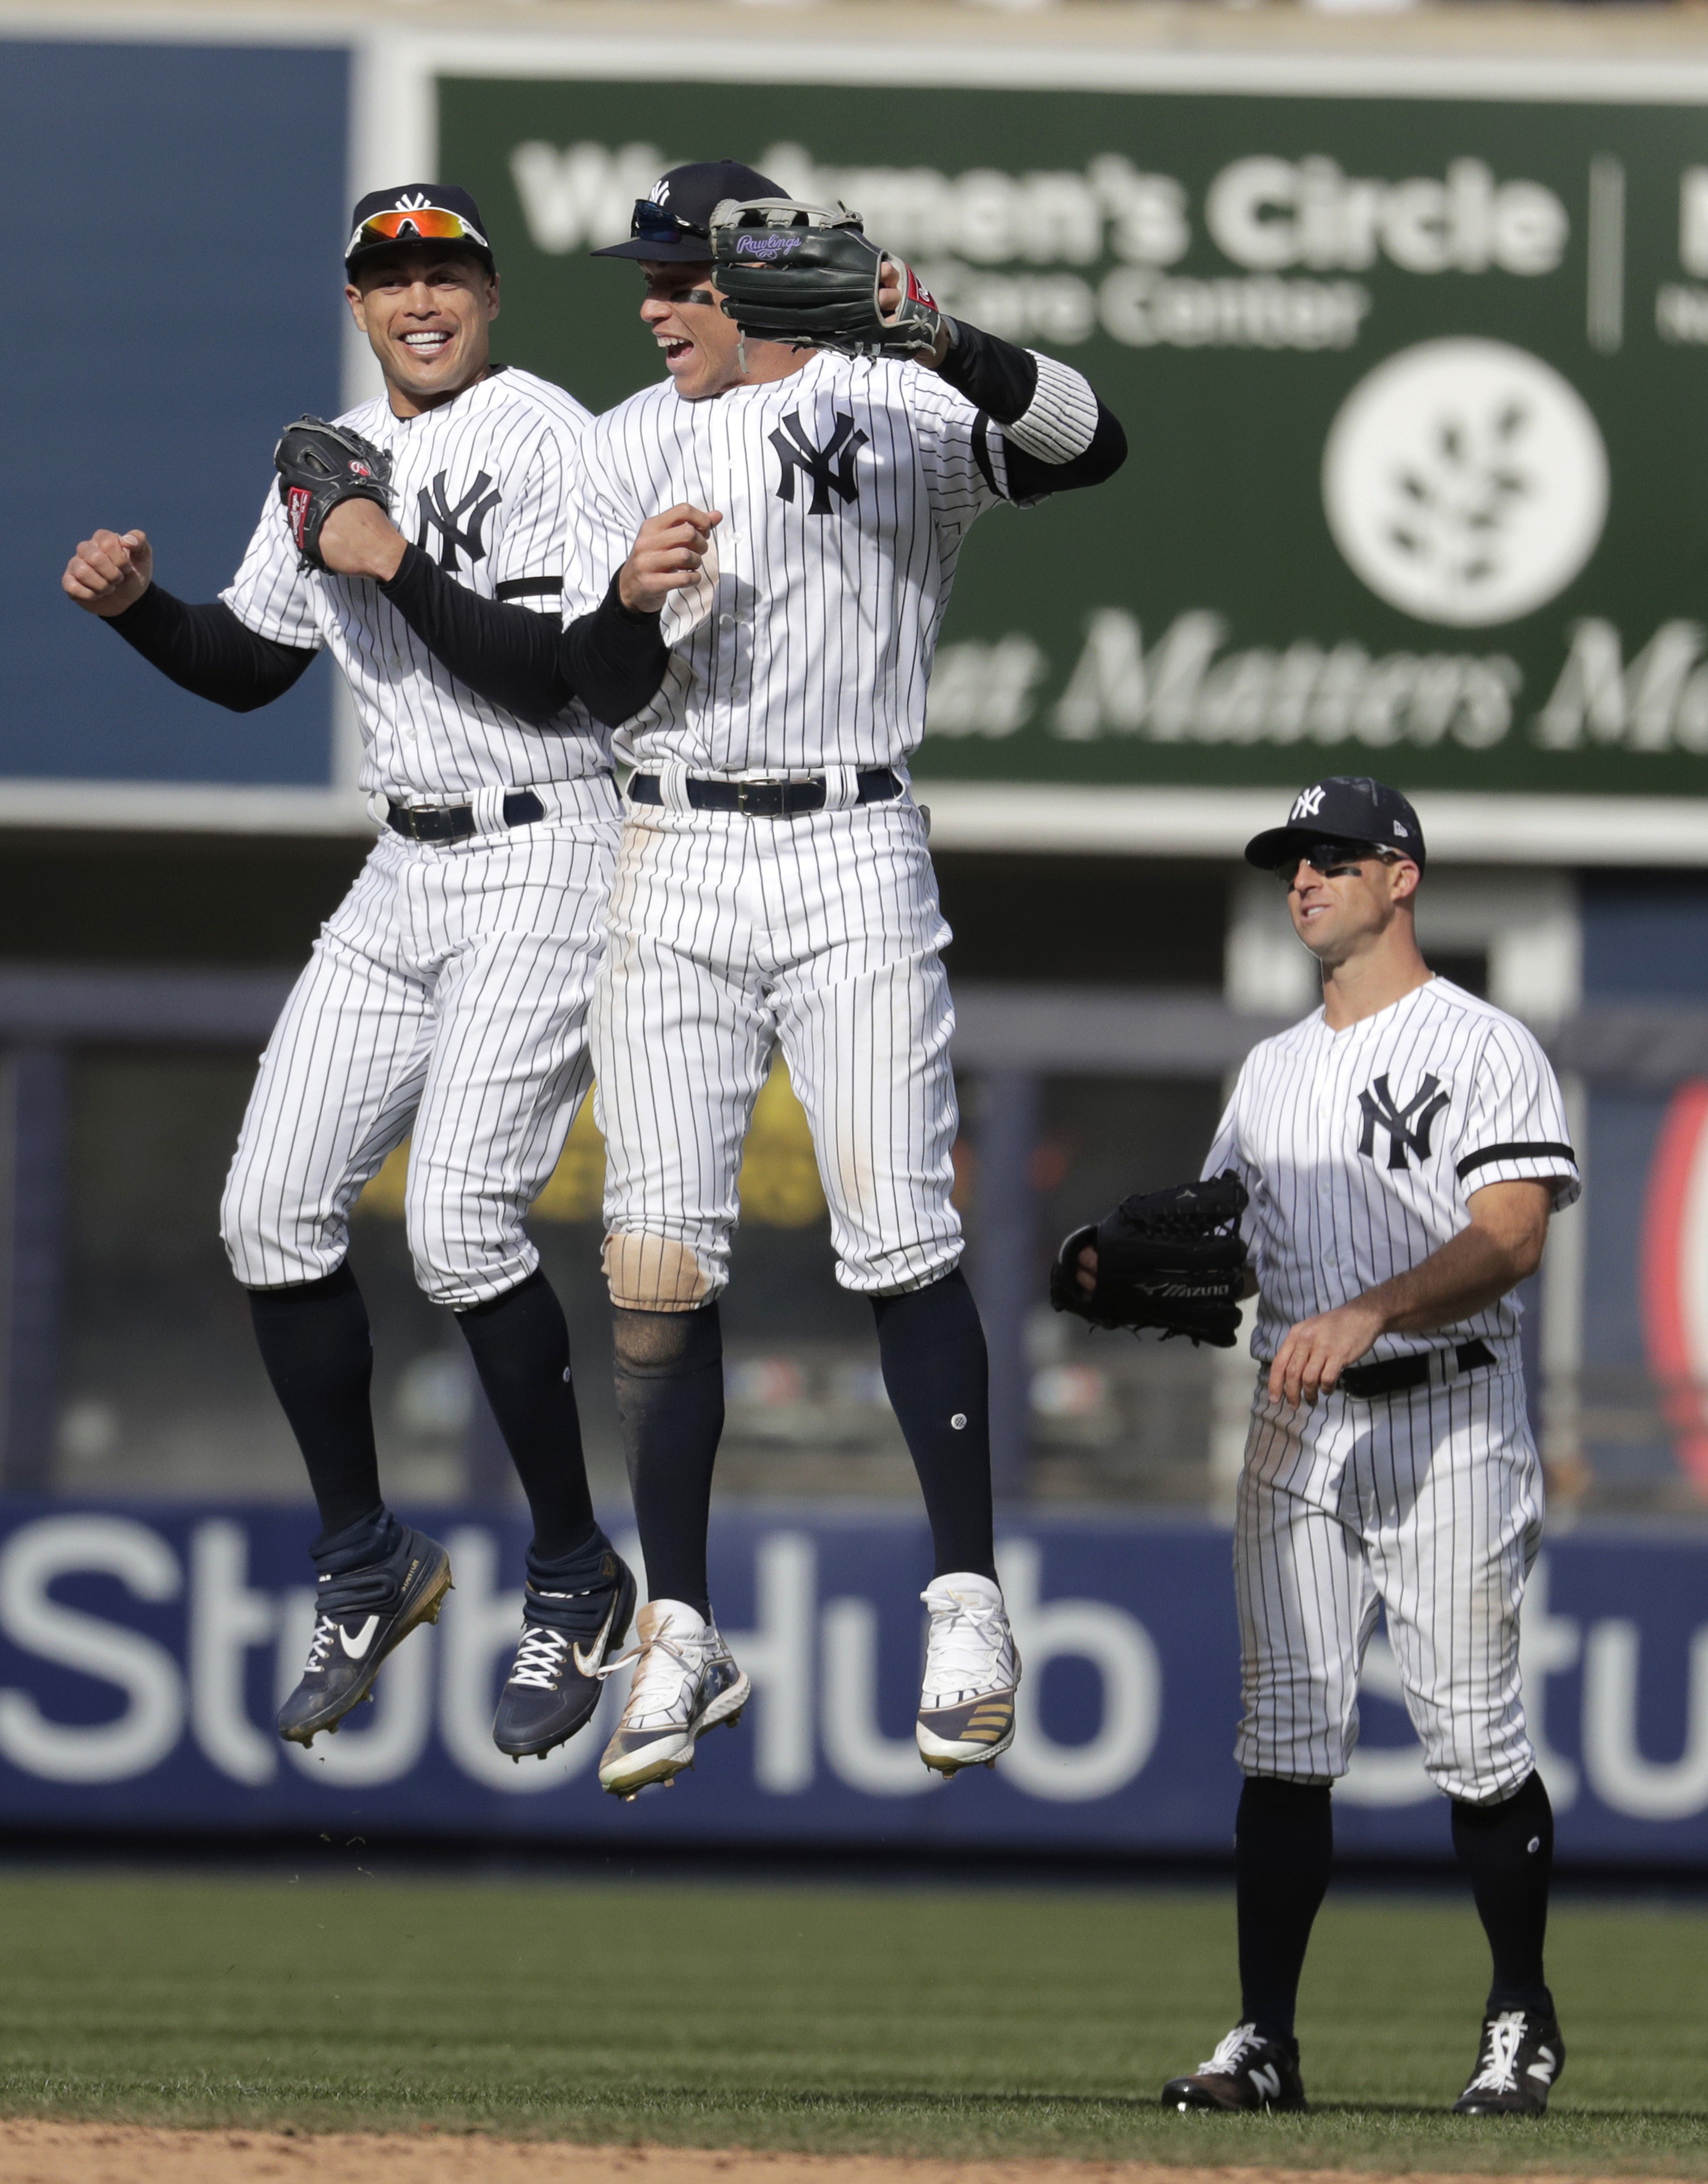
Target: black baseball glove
{"points": [[808, 275], [1173, 1259], [318, 466]]}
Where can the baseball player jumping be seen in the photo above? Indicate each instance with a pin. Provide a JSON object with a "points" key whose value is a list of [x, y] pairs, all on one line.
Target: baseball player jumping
{"points": [[773, 888], [448, 994], [1402, 1150]]}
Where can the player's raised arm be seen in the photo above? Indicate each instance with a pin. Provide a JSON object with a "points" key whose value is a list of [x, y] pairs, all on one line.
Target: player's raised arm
{"points": [[202, 648], [807, 274], [1056, 433]]}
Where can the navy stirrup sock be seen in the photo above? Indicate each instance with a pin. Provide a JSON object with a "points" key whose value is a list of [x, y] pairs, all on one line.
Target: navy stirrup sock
{"points": [[1507, 1850], [938, 1374], [315, 1344], [521, 1347], [1283, 1847]]}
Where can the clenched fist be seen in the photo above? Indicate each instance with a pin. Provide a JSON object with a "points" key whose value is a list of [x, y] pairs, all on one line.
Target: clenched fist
{"points": [[669, 550], [110, 572]]}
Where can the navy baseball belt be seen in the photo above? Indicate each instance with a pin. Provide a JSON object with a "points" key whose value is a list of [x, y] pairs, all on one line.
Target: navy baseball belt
{"points": [[765, 799], [1391, 1376], [456, 823]]}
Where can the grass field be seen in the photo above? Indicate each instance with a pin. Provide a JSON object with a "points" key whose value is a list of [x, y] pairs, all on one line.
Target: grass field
{"points": [[968, 2021]]}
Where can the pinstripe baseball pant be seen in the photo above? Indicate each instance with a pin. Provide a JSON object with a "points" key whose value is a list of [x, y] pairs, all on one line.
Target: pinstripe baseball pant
{"points": [[1428, 1504], [448, 994], [732, 936]]}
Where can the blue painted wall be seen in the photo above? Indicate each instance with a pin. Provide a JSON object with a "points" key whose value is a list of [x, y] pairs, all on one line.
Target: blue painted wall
{"points": [[175, 216]]}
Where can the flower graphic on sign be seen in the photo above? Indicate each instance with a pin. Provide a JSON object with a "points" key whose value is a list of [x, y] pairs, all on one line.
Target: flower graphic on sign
{"points": [[1465, 481]]}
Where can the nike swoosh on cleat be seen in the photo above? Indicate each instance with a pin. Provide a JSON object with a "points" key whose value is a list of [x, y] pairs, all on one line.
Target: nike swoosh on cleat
{"points": [[357, 1646], [587, 1663]]}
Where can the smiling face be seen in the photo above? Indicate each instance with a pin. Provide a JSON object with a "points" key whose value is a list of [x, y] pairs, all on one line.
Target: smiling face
{"points": [[704, 351], [426, 314], [1345, 911]]}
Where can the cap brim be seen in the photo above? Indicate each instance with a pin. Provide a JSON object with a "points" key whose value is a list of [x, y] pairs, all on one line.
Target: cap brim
{"points": [[367, 251], [690, 250], [1269, 850]]}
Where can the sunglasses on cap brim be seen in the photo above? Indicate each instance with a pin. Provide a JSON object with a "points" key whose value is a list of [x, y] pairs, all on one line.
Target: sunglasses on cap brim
{"points": [[1329, 858], [657, 223], [426, 223]]}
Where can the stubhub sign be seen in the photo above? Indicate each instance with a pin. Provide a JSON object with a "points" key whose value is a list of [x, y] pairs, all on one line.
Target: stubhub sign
{"points": [[143, 1649]]}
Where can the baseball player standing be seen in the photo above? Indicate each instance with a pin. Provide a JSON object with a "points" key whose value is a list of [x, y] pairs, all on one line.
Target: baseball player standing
{"points": [[448, 994], [1403, 1148]]}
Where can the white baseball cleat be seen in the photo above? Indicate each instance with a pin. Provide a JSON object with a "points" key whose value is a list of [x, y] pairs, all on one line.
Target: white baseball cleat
{"points": [[685, 1682], [972, 1674]]}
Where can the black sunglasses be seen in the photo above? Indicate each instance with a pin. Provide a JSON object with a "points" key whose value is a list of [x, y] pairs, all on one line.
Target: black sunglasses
{"points": [[657, 223], [1329, 858]]}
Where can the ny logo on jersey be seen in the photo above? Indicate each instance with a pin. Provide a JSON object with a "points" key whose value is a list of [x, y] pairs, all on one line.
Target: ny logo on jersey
{"points": [[830, 467], [462, 527], [1408, 1127]]}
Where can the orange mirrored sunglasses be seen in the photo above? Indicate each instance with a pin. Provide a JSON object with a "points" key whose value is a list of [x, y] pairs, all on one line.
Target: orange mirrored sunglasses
{"points": [[423, 224]]}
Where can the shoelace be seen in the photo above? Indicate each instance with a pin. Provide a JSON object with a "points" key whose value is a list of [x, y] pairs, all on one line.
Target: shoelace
{"points": [[964, 1644], [1231, 2052], [654, 1686], [1499, 2072], [326, 1629], [540, 1658]]}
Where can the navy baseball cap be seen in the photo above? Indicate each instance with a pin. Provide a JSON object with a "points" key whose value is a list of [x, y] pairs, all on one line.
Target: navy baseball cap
{"points": [[1348, 808], [418, 213], [674, 224]]}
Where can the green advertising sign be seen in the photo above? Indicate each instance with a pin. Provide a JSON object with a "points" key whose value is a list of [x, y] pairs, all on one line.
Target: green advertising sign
{"points": [[1414, 388]]}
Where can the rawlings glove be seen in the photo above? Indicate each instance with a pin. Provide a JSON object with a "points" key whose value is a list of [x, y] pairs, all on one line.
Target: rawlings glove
{"points": [[807, 275], [318, 466], [1173, 1259]]}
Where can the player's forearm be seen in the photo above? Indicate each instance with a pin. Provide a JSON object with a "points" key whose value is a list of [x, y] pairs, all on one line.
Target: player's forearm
{"points": [[612, 660], [507, 654], [1056, 431], [616, 658], [205, 648], [1470, 1271]]}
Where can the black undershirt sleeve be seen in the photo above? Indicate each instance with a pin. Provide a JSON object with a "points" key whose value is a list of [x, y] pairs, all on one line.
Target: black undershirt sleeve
{"points": [[1001, 380], [613, 660], [206, 649]]}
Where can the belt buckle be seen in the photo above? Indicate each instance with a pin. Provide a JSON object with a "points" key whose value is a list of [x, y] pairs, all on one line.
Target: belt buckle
{"points": [[743, 806]]}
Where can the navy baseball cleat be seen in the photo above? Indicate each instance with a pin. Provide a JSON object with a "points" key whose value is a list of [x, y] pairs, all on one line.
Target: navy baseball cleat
{"points": [[360, 1616], [1246, 2071], [570, 1631], [1520, 2058]]}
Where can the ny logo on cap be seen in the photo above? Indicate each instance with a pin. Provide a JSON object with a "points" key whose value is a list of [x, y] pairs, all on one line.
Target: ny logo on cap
{"points": [[660, 192], [1408, 1127], [1308, 804], [830, 467], [459, 526]]}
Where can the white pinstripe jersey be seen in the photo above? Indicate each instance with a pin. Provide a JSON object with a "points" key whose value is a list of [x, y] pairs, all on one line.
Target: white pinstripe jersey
{"points": [[846, 490], [1361, 1149], [479, 483]]}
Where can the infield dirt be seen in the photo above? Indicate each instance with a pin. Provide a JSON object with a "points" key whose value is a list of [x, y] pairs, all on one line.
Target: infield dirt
{"points": [[50, 2153]]}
